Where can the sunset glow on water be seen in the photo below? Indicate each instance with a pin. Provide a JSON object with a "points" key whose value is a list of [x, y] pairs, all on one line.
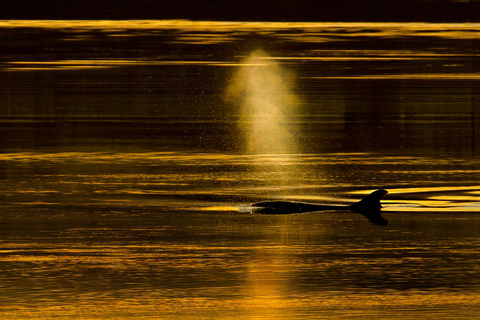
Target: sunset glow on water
{"points": [[132, 149]]}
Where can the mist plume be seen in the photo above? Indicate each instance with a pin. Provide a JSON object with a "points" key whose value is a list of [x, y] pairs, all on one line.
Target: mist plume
{"points": [[263, 92]]}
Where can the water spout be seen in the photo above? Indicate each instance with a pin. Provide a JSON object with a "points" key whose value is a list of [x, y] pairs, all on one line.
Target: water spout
{"points": [[263, 91]]}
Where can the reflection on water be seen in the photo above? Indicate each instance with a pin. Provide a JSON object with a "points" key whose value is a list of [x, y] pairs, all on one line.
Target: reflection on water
{"points": [[123, 169], [152, 178], [134, 234], [445, 30], [158, 234]]}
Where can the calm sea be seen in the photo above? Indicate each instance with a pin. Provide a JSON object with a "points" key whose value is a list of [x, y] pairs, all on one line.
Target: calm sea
{"points": [[129, 148]]}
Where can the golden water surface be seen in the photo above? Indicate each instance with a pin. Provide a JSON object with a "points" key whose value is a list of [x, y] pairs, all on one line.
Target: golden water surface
{"points": [[129, 148]]}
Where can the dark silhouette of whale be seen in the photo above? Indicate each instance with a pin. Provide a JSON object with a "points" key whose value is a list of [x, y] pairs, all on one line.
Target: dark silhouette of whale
{"points": [[369, 207]]}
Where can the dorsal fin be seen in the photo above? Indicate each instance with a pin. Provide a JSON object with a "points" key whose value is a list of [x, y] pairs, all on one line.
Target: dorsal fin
{"points": [[370, 207]]}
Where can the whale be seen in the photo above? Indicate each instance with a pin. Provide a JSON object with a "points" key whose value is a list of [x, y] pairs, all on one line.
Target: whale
{"points": [[369, 207]]}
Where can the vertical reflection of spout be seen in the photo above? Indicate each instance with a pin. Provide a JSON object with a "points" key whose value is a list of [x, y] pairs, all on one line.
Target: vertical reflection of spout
{"points": [[263, 91]]}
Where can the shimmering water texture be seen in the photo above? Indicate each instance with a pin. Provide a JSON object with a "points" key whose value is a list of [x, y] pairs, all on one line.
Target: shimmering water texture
{"points": [[181, 32], [129, 148], [154, 179], [159, 235]]}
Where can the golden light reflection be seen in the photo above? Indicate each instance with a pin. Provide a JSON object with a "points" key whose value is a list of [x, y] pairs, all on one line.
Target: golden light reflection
{"points": [[353, 58], [410, 304], [218, 208], [428, 199], [455, 198], [296, 30], [267, 283], [421, 189], [216, 32], [102, 63], [413, 76]]}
